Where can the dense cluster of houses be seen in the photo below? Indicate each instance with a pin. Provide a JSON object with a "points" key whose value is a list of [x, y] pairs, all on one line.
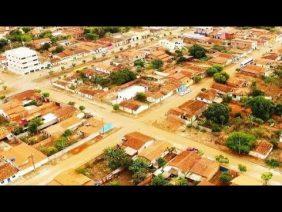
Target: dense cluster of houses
{"points": [[188, 164], [22, 151]]}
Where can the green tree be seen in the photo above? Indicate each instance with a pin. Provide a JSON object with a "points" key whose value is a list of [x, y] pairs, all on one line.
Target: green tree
{"points": [[61, 143], [161, 162], [48, 150], [45, 46], [33, 125], [157, 64], [241, 142], [117, 158], [214, 69], [197, 51], [159, 181], [217, 113], [221, 159], [242, 168], [272, 163], [45, 95], [121, 77], [81, 108], [257, 92], [261, 108], [67, 133], [266, 176], [139, 176], [221, 77], [141, 97], [18, 130], [211, 71], [225, 177], [139, 164], [139, 63], [197, 79], [181, 181], [92, 36], [58, 49], [116, 107], [71, 103], [3, 43]]}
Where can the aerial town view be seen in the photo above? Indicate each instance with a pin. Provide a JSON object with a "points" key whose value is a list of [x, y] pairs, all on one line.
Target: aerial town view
{"points": [[141, 106]]}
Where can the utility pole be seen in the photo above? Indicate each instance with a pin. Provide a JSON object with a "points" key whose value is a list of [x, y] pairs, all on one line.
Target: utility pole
{"points": [[32, 160]]}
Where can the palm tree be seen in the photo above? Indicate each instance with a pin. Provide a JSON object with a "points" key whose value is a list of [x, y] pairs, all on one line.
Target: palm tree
{"points": [[266, 176]]}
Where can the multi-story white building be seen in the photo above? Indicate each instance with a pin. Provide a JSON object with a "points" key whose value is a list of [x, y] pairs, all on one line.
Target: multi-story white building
{"points": [[23, 60]]}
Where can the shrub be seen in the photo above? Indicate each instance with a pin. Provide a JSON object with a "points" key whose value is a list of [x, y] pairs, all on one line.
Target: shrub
{"points": [[221, 159], [116, 107], [181, 181], [225, 177], [272, 163], [161, 162], [157, 64], [159, 181], [141, 97], [242, 168], [49, 150], [197, 79]]}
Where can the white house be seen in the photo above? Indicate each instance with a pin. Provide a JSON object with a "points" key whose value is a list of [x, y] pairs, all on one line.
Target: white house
{"points": [[48, 119], [203, 30], [172, 45], [23, 60], [129, 93], [262, 150]]}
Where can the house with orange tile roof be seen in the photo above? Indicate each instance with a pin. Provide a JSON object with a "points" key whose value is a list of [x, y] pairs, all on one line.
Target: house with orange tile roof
{"points": [[135, 142], [262, 149], [133, 107], [203, 169], [253, 70], [5, 133], [181, 164], [157, 150], [209, 96], [8, 172], [91, 93], [22, 155], [222, 89], [189, 111], [71, 123]]}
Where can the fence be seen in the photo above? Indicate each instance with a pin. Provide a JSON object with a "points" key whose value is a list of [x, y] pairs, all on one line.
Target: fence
{"points": [[57, 155]]}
